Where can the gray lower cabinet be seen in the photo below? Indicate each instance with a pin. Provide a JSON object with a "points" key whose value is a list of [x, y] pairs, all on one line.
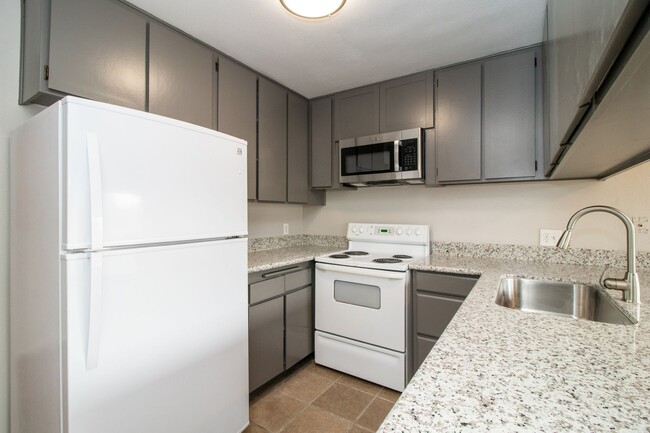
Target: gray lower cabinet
{"points": [[95, 49], [321, 143], [237, 111], [436, 299], [406, 102], [489, 120], [181, 77], [281, 321], [265, 341], [299, 326], [272, 142]]}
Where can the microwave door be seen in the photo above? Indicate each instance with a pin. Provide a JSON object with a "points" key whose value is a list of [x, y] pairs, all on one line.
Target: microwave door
{"points": [[369, 162]]}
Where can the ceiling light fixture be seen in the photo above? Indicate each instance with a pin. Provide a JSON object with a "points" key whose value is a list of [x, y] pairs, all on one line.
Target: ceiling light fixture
{"points": [[313, 9]]}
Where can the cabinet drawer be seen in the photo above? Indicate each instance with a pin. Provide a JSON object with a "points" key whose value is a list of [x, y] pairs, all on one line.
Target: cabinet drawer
{"points": [[297, 279], [434, 313], [265, 290], [447, 284], [424, 346]]}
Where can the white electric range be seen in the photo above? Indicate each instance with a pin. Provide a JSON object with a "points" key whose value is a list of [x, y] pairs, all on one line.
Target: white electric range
{"points": [[363, 299]]}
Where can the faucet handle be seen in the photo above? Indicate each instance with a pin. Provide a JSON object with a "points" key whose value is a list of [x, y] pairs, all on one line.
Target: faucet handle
{"points": [[618, 284]]}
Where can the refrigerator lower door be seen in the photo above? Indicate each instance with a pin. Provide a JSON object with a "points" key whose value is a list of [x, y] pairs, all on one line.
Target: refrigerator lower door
{"points": [[133, 178], [157, 339]]}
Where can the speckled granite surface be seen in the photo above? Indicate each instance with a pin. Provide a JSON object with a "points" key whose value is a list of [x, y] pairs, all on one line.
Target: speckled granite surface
{"points": [[573, 256], [279, 257], [498, 369]]}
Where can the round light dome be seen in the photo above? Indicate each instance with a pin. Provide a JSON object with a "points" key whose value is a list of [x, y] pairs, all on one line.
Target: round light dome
{"points": [[313, 9]]}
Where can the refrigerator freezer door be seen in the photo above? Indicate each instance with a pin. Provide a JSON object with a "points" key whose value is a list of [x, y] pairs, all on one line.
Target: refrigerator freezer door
{"points": [[167, 349], [133, 178]]}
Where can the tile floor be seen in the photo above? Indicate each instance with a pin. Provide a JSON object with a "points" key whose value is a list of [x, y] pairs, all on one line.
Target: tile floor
{"points": [[315, 399]]}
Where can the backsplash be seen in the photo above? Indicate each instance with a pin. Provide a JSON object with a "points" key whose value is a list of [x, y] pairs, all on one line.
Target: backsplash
{"points": [[571, 256], [272, 242]]}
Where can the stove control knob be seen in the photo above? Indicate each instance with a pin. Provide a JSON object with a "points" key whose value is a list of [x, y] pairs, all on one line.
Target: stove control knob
{"points": [[354, 229], [418, 232], [409, 232], [362, 229], [399, 232]]}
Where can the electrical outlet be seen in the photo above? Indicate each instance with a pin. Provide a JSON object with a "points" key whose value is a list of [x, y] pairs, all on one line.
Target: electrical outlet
{"points": [[548, 237], [641, 224], [285, 228]]}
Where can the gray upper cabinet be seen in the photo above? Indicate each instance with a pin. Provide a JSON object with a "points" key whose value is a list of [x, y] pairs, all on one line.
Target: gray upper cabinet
{"points": [[458, 123], [406, 102], [181, 75], [509, 116], [356, 112], [584, 40], [237, 111], [272, 144], [488, 120], [320, 117], [98, 51], [298, 149]]}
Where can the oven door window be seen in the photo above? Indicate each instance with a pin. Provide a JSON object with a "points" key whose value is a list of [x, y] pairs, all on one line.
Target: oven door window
{"points": [[368, 159], [362, 295]]}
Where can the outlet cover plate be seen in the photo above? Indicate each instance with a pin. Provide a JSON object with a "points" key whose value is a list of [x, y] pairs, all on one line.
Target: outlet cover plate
{"points": [[549, 237]]}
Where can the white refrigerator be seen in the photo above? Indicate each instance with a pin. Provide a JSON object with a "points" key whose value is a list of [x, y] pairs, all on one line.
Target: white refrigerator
{"points": [[128, 274]]}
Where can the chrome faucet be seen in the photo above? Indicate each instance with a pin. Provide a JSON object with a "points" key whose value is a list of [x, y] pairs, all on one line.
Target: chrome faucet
{"points": [[630, 284]]}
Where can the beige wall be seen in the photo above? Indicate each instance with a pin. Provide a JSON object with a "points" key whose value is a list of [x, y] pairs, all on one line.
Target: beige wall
{"points": [[266, 219], [11, 115], [506, 214]]}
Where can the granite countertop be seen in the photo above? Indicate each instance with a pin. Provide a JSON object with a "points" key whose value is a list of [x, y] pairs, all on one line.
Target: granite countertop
{"points": [[278, 257], [499, 369]]}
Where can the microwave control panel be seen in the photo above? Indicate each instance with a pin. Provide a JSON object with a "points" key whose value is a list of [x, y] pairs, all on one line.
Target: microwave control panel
{"points": [[409, 155]]}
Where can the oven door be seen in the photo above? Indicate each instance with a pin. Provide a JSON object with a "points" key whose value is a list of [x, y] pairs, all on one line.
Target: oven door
{"points": [[362, 304]]}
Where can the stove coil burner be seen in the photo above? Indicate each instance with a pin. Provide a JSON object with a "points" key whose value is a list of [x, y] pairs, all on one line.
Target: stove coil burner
{"points": [[356, 253], [339, 256], [387, 260], [402, 256]]}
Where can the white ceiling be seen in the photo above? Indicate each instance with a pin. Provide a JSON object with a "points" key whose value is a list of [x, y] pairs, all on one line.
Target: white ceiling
{"points": [[366, 42]]}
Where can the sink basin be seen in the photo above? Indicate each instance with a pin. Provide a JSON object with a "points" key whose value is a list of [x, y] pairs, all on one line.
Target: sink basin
{"points": [[563, 299]]}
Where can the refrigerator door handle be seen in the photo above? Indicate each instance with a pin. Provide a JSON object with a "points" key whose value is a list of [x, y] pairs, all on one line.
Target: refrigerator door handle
{"points": [[95, 184], [95, 313]]}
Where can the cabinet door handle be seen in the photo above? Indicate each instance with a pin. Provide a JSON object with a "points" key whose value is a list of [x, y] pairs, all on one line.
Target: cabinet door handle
{"points": [[279, 272]]}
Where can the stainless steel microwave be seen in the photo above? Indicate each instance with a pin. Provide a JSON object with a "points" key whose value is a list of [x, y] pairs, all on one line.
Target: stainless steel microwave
{"points": [[382, 159]]}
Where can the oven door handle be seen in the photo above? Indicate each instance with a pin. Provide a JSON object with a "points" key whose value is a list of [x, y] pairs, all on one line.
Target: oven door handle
{"points": [[361, 271]]}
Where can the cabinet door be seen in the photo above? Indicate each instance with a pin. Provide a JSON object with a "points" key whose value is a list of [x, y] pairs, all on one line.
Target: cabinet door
{"points": [[406, 102], [509, 116], [98, 51], [237, 111], [458, 123], [321, 143], [180, 77], [356, 112], [298, 150], [265, 342], [272, 147], [299, 326]]}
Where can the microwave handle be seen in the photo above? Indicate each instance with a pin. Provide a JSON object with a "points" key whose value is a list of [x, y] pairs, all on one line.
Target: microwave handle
{"points": [[396, 154]]}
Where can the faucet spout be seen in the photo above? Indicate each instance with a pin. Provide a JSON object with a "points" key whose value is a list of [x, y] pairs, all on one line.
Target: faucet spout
{"points": [[630, 285]]}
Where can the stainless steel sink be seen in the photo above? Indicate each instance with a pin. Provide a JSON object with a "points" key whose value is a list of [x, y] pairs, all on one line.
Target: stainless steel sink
{"points": [[563, 299]]}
